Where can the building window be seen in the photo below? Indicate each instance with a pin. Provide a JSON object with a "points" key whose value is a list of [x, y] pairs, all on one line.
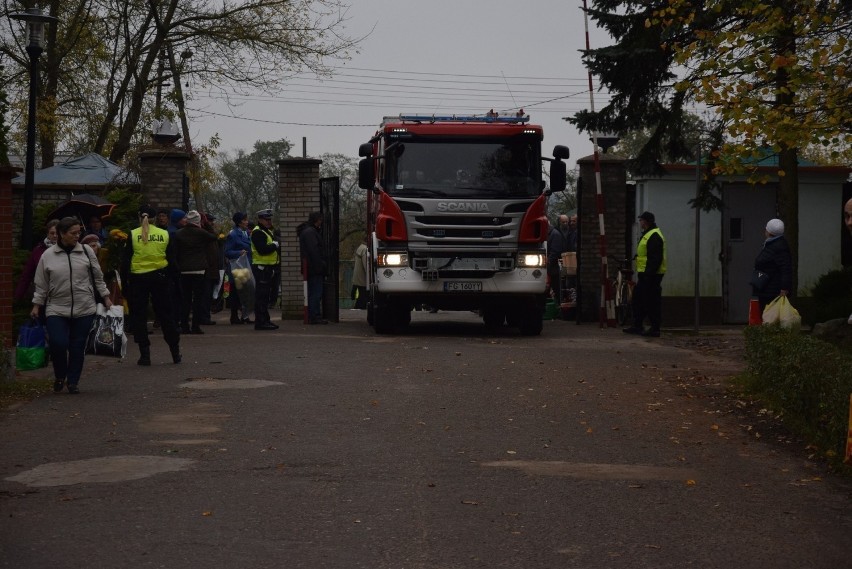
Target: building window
{"points": [[735, 229]]}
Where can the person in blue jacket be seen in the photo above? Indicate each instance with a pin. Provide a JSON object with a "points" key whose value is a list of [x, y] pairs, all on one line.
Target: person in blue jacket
{"points": [[238, 244]]}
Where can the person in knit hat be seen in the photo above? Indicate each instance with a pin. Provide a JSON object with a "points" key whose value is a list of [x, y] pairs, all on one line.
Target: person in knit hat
{"points": [[238, 244], [177, 219], [192, 242], [773, 268]]}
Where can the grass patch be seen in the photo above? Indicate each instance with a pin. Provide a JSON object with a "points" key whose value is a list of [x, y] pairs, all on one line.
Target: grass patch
{"points": [[12, 392], [805, 381]]}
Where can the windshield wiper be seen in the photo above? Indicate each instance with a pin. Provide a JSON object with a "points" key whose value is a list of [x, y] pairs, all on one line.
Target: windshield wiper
{"points": [[422, 191]]}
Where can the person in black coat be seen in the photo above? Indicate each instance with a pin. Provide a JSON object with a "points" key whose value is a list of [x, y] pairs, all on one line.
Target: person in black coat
{"points": [[558, 242], [773, 267], [314, 264]]}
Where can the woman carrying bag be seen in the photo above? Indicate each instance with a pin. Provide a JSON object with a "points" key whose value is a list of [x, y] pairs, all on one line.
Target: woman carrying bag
{"points": [[773, 267], [65, 281]]}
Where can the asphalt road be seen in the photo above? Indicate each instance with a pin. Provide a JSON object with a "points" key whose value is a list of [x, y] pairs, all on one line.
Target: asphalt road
{"points": [[445, 447]]}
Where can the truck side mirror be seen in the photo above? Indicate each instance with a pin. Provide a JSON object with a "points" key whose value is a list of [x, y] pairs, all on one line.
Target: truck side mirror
{"points": [[561, 152], [365, 150], [366, 173], [558, 175]]}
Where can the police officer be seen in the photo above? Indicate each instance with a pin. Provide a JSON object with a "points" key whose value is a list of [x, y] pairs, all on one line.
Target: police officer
{"points": [[265, 265], [650, 268], [146, 267]]}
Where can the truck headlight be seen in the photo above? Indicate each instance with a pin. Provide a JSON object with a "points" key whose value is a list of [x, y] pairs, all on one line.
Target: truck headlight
{"points": [[530, 259], [392, 259]]}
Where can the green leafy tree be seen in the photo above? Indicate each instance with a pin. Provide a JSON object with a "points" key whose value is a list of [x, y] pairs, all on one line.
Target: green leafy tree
{"points": [[247, 181], [776, 74], [353, 200]]}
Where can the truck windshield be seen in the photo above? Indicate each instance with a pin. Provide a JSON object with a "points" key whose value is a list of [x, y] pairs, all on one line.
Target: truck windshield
{"points": [[465, 168]]}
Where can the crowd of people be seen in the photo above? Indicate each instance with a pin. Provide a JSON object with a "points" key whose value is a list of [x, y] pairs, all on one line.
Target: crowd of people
{"points": [[175, 263]]}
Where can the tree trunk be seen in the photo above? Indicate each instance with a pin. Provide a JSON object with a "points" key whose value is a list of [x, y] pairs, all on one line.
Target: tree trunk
{"points": [[788, 161], [788, 206]]}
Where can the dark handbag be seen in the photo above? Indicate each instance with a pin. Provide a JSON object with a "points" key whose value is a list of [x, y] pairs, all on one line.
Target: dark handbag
{"points": [[98, 298], [759, 280]]}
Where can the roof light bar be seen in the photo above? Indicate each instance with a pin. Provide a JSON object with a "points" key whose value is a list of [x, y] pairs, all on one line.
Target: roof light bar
{"points": [[505, 119]]}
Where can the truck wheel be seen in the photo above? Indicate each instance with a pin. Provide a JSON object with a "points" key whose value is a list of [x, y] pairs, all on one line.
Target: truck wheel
{"points": [[403, 315], [530, 322], [383, 318], [493, 317]]}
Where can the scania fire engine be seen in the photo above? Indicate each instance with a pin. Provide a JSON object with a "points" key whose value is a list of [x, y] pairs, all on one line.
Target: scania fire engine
{"points": [[457, 218]]}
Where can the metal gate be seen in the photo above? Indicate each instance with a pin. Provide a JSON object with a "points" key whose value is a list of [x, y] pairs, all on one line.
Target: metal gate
{"points": [[330, 208]]}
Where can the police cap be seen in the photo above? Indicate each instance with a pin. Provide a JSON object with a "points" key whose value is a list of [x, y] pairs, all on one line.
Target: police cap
{"points": [[265, 214]]}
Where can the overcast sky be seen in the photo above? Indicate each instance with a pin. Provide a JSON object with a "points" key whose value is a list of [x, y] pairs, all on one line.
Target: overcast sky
{"points": [[435, 56]]}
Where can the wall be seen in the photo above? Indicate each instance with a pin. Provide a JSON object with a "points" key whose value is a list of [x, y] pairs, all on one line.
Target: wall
{"points": [[161, 172], [298, 196], [617, 226], [820, 199], [820, 227], [8, 240], [669, 202]]}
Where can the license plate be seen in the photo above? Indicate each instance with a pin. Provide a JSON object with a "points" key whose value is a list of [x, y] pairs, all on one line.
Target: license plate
{"points": [[462, 286]]}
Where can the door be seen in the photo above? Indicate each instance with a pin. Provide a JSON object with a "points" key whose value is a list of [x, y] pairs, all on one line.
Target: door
{"points": [[746, 211], [330, 208]]}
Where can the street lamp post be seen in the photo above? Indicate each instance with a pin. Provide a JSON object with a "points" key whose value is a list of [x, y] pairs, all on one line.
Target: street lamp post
{"points": [[35, 33]]}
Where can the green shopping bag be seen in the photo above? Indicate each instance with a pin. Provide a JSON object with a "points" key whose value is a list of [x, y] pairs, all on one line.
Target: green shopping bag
{"points": [[31, 350]]}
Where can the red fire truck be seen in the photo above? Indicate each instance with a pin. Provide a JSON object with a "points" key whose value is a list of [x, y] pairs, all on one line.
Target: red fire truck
{"points": [[457, 218]]}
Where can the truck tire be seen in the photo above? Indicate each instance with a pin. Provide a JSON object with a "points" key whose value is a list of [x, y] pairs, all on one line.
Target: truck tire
{"points": [[531, 325], [531, 319], [402, 315], [493, 317], [383, 316]]}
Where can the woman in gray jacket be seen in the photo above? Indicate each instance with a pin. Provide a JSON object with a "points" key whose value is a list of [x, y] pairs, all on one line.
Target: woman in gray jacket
{"points": [[64, 286]]}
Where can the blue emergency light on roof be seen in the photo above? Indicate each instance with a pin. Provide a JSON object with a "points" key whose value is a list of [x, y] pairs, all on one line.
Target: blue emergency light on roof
{"points": [[488, 118]]}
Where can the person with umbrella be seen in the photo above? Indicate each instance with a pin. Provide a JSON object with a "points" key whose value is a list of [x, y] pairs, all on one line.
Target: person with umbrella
{"points": [[96, 228], [84, 207]]}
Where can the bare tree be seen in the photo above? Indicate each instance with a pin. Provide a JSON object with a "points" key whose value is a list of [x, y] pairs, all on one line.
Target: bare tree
{"points": [[100, 65]]}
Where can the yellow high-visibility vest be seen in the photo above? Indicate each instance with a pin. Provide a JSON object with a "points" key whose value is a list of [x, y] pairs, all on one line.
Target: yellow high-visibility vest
{"points": [[257, 258], [149, 256], [642, 252]]}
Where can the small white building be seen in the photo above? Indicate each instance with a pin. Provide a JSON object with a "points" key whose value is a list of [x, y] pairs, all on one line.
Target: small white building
{"points": [[729, 240]]}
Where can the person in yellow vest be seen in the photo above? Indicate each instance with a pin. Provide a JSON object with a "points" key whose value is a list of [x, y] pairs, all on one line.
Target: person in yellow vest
{"points": [[650, 268], [265, 265], [147, 267]]}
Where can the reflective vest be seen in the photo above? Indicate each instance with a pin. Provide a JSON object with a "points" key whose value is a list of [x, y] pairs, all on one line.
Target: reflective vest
{"points": [[269, 258], [642, 252], [150, 256]]}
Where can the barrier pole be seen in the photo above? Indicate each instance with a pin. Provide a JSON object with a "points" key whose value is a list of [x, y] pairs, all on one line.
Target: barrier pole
{"points": [[606, 317]]}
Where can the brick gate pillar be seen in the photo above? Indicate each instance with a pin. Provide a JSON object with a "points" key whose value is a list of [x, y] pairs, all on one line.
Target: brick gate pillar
{"points": [[298, 196], [618, 221], [7, 238], [161, 174]]}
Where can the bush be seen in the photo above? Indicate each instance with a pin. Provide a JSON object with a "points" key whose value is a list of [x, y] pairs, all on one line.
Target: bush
{"points": [[830, 298], [806, 380]]}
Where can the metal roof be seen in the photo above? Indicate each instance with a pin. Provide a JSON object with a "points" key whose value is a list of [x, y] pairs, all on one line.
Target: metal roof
{"points": [[91, 169]]}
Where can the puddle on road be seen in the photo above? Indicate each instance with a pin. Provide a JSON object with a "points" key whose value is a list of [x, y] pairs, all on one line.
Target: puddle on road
{"points": [[227, 383], [592, 471], [100, 470]]}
